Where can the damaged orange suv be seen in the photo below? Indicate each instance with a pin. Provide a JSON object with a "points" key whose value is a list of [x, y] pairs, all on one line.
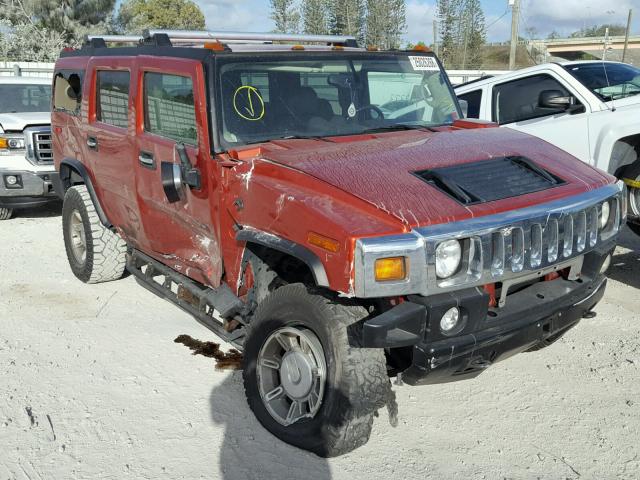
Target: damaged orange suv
{"points": [[324, 209]]}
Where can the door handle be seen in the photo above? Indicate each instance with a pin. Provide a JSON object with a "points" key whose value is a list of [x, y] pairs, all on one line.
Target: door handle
{"points": [[146, 160], [92, 143]]}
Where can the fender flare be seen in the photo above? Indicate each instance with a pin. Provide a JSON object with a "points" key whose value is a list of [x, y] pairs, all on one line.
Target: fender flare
{"points": [[296, 250], [69, 165]]}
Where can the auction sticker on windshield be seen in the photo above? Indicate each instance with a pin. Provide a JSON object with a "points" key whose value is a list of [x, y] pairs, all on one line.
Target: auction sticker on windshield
{"points": [[427, 64]]}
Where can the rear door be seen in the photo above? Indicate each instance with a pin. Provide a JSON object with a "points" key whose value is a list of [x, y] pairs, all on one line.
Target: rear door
{"points": [[515, 105], [172, 105], [109, 139]]}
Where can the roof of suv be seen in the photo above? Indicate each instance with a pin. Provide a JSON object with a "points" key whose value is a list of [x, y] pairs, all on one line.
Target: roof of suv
{"points": [[202, 44]]}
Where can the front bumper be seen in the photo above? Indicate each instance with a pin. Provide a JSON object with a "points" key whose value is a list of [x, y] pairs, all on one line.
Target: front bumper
{"points": [[32, 189], [541, 312]]}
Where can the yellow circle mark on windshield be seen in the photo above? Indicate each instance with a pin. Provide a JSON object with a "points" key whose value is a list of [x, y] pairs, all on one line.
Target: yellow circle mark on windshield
{"points": [[248, 103]]}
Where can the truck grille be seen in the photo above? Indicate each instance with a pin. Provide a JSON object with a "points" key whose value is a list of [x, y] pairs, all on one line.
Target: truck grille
{"points": [[42, 147], [509, 247]]}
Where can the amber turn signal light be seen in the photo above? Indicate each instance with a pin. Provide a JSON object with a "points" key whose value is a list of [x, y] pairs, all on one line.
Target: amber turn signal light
{"points": [[326, 243], [392, 268], [4, 143]]}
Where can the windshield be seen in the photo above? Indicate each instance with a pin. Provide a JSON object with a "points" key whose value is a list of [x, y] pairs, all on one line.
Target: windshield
{"points": [[267, 97], [609, 81], [16, 98]]}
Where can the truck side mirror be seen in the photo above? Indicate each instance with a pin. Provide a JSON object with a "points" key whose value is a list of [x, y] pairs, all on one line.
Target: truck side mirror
{"points": [[555, 99], [175, 177], [464, 106]]}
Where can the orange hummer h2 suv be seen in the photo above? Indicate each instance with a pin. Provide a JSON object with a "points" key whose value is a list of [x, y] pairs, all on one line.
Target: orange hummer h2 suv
{"points": [[324, 209]]}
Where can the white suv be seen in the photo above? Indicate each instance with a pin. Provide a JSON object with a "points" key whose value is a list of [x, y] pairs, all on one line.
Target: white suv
{"points": [[590, 109], [26, 159]]}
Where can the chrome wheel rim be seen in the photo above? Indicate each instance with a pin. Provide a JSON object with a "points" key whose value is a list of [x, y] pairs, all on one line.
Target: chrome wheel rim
{"points": [[77, 237], [634, 201], [292, 373]]}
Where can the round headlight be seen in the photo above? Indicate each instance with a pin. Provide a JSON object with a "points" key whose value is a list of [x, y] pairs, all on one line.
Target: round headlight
{"points": [[448, 258], [450, 320], [604, 214]]}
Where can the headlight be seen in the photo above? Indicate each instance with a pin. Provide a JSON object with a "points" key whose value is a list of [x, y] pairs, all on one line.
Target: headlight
{"points": [[448, 258], [12, 143], [605, 212]]}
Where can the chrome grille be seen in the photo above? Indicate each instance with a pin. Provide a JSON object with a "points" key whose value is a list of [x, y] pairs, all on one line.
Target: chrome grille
{"points": [[503, 247], [42, 147]]}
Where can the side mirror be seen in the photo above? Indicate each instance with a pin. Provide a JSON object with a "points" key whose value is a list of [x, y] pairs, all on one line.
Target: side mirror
{"points": [[175, 177], [555, 99], [464, 106]]}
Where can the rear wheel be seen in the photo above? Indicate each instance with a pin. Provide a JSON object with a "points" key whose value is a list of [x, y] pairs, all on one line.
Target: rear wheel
{"points": [[95, 253], [305, 378], [6, 213]]}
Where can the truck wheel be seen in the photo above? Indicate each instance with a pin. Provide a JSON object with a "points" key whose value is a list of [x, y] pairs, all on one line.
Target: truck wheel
{"points": [[304, 380], [5, 213], [95, 253]]}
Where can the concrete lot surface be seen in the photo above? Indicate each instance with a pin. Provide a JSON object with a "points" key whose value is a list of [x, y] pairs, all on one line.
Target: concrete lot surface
{"points": [[92, 385]]}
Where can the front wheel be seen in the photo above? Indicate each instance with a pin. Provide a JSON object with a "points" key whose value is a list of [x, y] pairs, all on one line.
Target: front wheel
{"points": [[6, 213], [95, 253], [305, 378]]}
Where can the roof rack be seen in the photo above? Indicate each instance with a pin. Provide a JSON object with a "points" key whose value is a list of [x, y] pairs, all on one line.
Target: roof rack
{"points": [[160, 37]]}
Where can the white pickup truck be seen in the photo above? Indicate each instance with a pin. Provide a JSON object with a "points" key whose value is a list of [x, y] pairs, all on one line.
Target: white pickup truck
{"points": [[589, 108], [26, 159]]}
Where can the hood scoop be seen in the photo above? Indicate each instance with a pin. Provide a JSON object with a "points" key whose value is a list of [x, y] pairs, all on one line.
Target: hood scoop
{"points": [[490, 180]]}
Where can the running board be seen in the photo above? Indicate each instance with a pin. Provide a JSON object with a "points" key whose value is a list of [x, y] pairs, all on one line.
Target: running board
{"points": [[194, 298]]}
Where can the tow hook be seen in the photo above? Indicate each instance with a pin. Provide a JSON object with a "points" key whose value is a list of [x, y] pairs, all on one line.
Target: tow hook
{"points": [[589, 314]]}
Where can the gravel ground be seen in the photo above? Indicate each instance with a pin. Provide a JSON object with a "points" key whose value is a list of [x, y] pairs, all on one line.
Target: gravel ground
{"points": [[93, 386]]}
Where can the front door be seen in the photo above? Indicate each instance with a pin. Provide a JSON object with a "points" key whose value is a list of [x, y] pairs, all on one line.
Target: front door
{"points": [[515, 105], [173, 110]]}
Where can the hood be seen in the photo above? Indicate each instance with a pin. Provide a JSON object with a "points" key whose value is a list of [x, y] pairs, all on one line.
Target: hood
{"points": [[380, 169], [21, 120]]}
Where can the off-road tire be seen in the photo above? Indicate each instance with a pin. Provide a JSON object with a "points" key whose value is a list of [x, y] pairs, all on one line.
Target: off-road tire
{"points": [[357, 384], [105, 250], [5, 213]]}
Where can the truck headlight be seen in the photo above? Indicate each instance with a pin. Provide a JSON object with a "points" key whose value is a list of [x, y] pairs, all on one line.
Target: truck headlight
{"points": [[11, 143], [448, 258], [605, 213]]}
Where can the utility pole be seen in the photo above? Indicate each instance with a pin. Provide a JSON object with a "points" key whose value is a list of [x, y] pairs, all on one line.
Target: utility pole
{"points": [[626, 36], [515, 21], [435, 37]]}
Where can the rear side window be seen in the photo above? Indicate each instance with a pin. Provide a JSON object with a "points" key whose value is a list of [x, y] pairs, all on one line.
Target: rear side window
{"points": [[169, 108], [474, 99], [113, 98], [67, 91], [517, 101]]}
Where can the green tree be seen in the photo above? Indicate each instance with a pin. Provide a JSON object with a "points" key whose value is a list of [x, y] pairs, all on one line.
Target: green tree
{"points": [[315, 14], [475, 35], [27, 42], [285, 15], [600, 31], [385, 23], [347, 17], [134, 16]]}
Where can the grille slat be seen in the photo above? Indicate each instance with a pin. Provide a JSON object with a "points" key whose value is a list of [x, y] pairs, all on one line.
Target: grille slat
{"points": [[42, 148]]}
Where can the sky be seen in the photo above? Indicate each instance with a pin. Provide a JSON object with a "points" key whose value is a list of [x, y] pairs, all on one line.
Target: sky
{"points": [[564, 16]]}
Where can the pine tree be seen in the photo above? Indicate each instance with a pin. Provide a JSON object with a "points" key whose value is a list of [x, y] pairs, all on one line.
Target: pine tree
{"points": [[315, 15], [285, 15], [476, 34], [347, 17], [446, 19], [385, 23]]}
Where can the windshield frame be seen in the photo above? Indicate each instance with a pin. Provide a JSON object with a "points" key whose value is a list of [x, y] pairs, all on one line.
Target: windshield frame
{"points": [[223, 58], [27, 85], [603, 64]]}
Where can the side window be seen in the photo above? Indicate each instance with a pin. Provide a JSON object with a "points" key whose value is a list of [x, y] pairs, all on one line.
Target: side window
{"points": [[169, 108], [517, 101], [113, 98], [67, 91], [474, 99]]}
